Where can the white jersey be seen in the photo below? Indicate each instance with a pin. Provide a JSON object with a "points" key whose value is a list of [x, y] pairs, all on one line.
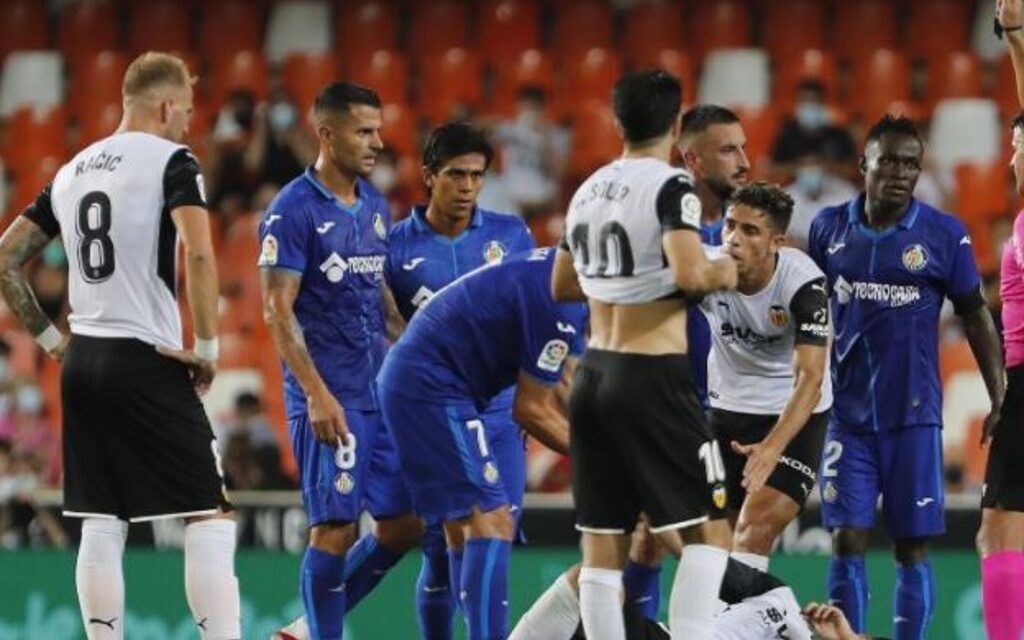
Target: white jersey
{"points": [[615, 223], [750, 368], [111, 204], [769, 616]]}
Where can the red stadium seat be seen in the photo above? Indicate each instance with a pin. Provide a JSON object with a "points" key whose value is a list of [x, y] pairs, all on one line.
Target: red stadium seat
{"points": [[448, 80], [878, 81], [1004, 90], [652, 28], [936, 28], [590, 76], [96, 80], [228, 26], [812, 64], [507, 28], [760, 125], [243, 70], [32, 178], [678, 63], [596, 139], [981, 191], [958, 75], [438, 26], [23, 25], [86, 28], [363, 27], [386, 72], [720, 24], [399, 129], [160, 25], [531, 68], [791, 27], [851, 42], [305, 74], [98, 122], [31, 136], [581, 26]]}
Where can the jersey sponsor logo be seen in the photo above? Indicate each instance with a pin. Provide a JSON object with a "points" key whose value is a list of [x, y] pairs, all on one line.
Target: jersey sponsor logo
{"points": [[731, 333], [553, 355], [268, 252], [335, 267], [494, 252], [895, 295], [777, 315], [689, 207], [915, 257], [797, 465], [412, 264], [815, 329], [835, 248], [379, 227], [325, 227]]}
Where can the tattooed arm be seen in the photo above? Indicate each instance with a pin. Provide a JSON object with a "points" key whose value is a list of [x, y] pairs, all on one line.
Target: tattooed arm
{"points": [[19, 244]]}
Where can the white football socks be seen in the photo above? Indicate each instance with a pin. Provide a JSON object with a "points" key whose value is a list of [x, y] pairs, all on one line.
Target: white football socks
{"points": [[754, 560], [694, 600], [100, 578], [554, 616], [601, 603], [210, 583]]}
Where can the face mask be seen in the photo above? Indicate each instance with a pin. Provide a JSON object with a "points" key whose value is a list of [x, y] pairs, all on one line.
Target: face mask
{"points": [[281, 116], [383, 177], [810, 179], [29, 400], [811, 115]]}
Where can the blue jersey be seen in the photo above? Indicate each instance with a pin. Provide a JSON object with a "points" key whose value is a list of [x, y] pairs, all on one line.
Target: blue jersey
{"points": [[887, 289], [698, 331], [340, 253], [476, 335]]}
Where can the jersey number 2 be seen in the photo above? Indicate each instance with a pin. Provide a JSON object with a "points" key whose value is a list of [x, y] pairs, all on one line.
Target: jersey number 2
{"points": [[95, 248]]}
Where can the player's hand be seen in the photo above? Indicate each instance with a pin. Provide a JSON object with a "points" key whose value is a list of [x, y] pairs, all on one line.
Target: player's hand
{"points": [[829, 622], [730, 272], [57, 353], [992, 422], [761, 461], [328, 418], [201, 371], [1009, 13]]}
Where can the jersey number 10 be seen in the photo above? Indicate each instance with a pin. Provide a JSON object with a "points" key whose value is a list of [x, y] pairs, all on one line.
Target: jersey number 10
{"points": [[95, 248], [614, 253]]}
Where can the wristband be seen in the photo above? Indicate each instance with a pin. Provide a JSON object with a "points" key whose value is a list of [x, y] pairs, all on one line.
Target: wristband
{"points": [[1010, 29], [50, 338], [206, 349]]}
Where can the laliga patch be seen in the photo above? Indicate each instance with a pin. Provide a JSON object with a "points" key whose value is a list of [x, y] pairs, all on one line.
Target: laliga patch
{"points": [[689, 208], [379, 227], [344, 483], [915, 258], [494, 252], [268, 252], [553, 355]]}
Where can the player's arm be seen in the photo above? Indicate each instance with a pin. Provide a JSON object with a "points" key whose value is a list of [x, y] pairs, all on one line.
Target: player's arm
{"points": [[981, 333], [829, 623], [23, 240], [538, 411], [565, 283], [809, 310], [1009, 15], [395, 323], [280, 289], [679, 212]]}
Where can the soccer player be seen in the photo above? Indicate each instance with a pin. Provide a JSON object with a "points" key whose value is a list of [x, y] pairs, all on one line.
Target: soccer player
{"points": [[437, 243], [890, 261], [495, 327], [322, 259], [137, 443], [1001, 536], [768, 387], [633, 244]]}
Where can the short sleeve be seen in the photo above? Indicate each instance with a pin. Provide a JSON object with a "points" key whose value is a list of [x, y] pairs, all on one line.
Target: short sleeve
{"points": [[284, 240], [814, 241], [809, 307], [183, 181], [549, 337], [963, 284], [41, 212], [678, 205], [523, 240]]}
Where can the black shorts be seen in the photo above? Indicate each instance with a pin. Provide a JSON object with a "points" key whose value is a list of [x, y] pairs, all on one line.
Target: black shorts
{"points": [[796, 472], [640, 442], [1004, 475], [137, 442]]}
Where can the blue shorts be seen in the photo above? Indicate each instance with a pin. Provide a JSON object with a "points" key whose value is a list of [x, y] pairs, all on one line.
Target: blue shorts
{"points": [[446, 456], [904, 466], [338, 483]]}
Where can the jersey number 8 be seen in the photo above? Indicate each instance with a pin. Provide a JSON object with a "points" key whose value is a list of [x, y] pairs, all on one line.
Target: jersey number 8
{"points": [[95, 248]]}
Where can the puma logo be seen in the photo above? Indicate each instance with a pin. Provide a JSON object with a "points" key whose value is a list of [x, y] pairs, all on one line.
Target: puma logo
{"points": [[106, 623], [202, 624]]}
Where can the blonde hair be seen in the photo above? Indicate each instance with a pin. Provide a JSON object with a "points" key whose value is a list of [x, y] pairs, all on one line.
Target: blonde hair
{"points": [[152, 70]]}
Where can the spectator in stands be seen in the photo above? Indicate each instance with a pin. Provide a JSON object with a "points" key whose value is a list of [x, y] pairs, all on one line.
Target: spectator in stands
{"points": [[534, 152], [811, 129], [280, 147], [32, 435], [814, 187], [252, 459], [21, 520], [387, 178], [229, 182]]}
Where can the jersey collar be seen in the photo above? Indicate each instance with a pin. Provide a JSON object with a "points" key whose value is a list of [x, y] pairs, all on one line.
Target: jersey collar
{"points": [[421, 226], [856, 207], [326, 193]]}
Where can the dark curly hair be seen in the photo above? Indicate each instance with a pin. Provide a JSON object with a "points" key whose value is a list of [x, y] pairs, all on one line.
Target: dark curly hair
{"points": [[894, 124], [767, 198], [1018, 121]]}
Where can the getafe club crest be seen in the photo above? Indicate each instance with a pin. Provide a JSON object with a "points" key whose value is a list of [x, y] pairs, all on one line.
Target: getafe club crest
{"points": [[494, 252], [915, 258], [379, 227]]}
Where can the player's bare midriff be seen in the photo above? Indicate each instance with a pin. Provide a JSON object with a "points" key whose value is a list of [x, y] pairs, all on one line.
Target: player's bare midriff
{"points": [[653, 328]]}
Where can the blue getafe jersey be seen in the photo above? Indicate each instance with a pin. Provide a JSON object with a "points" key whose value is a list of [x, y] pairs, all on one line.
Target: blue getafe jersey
{"points": [[474, 337], [698, 331], [340, 253], [422, 262], [887, 288]]}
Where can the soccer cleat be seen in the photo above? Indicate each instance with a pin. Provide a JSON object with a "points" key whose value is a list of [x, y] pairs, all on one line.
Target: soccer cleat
{"points": [[297, 630]]}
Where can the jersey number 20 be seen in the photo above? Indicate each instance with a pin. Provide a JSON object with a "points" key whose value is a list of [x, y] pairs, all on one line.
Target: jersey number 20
{"points": [[95, 248]]}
